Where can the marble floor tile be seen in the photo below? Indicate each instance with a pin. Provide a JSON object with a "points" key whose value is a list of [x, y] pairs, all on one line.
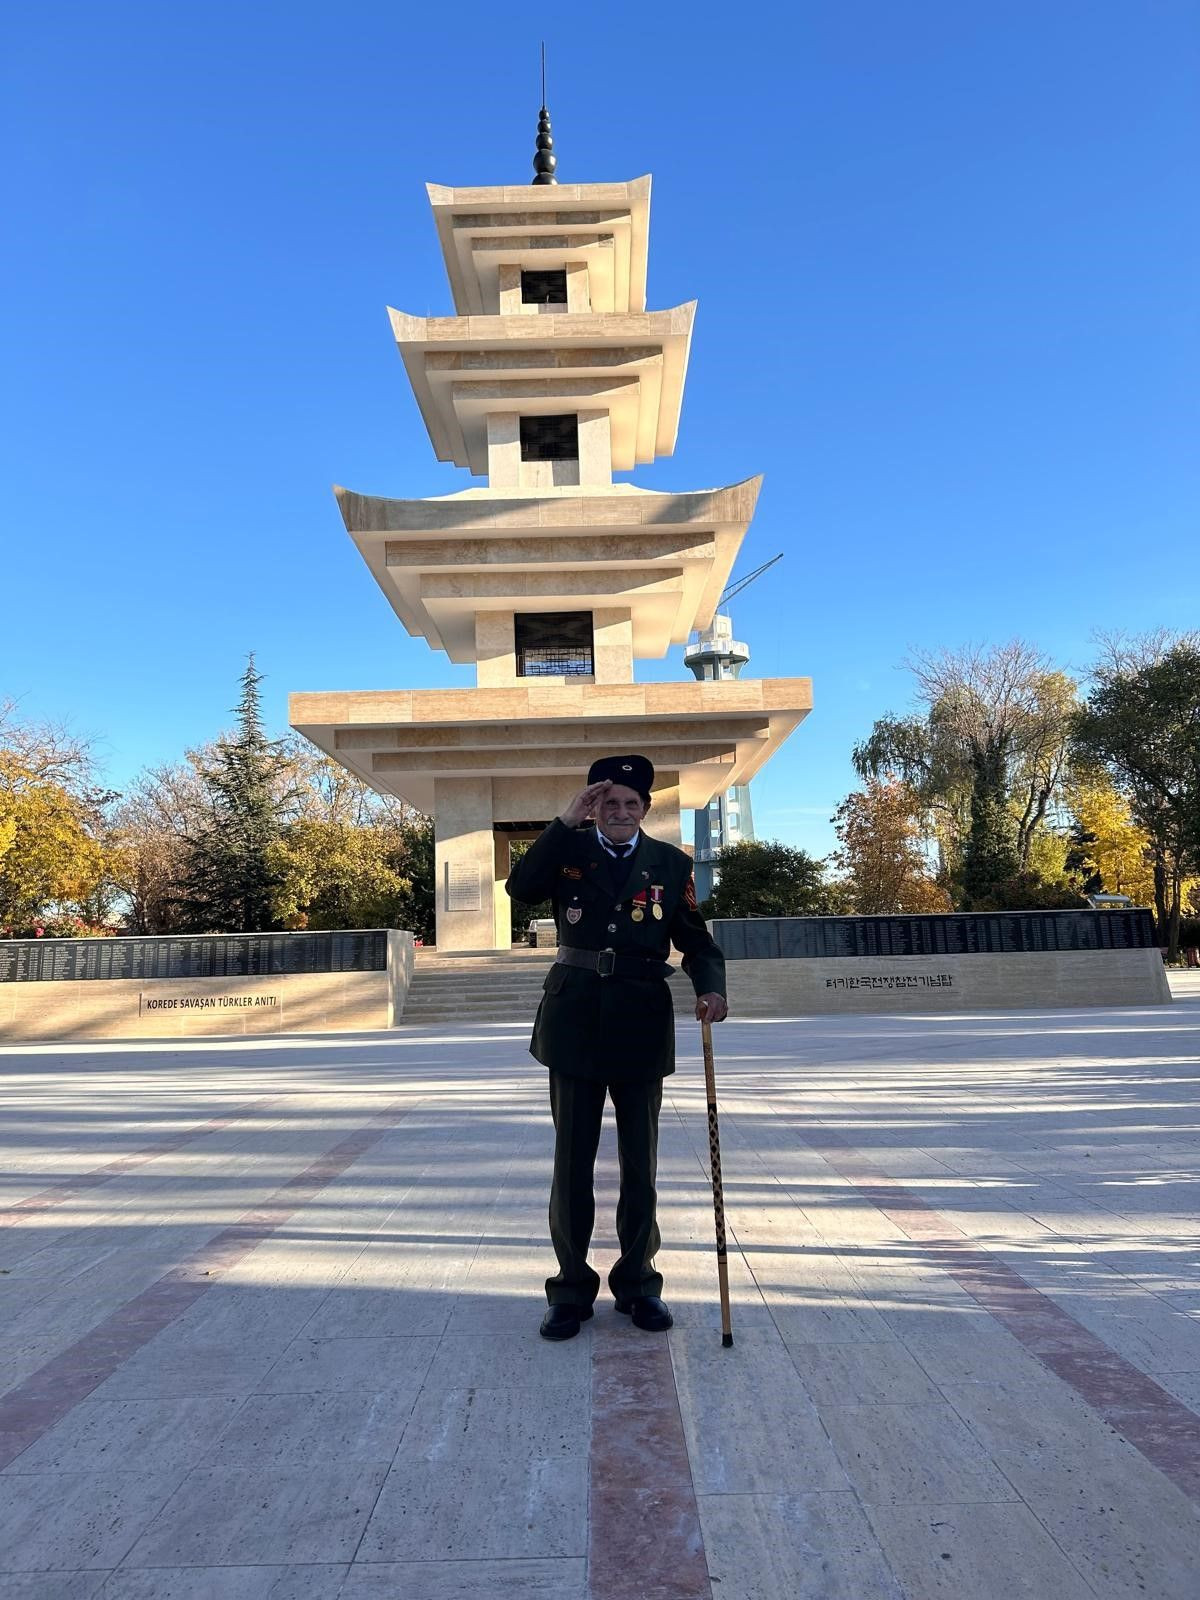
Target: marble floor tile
{"points": [[515, 1310], [842, 1322], [294, 1430], [1046, 1440], [158, 1371], [954, 1346], [793, 1547], [227, 1583], [227, 1516], [1184, 1386], [748, 1420], [512, 1360], [75, 1520], [350, 1312], [1139, 1543], [501, 1424], [646, 1542], [144, 1436], [50, 1585], [861, 1374], [1156, 1339], [975, 1552], [565, 1579], [896, 1455], [374, 1364], [430, 1511]]}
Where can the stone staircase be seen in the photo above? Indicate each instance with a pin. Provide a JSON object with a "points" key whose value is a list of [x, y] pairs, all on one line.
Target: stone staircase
{"points": [[485, 986]]}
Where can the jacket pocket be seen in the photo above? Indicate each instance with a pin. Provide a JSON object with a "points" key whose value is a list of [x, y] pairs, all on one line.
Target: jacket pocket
{"points": [[555, 978]]}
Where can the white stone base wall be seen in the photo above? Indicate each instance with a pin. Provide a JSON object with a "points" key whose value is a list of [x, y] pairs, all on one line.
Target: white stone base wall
{"points": [[169, 1008], [796, 988]]}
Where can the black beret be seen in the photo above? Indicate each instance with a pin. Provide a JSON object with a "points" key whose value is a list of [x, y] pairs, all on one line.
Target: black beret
{"points": [[635, 772]]}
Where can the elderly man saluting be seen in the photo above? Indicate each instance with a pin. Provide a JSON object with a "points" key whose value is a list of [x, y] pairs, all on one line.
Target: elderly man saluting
{"points": [[606, 1024]]}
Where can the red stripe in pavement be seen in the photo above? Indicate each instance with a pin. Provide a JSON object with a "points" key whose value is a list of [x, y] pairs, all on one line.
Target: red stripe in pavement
{"points": [[46, 1396], [45, 1198], [1165, 1430], [644, 1536]]}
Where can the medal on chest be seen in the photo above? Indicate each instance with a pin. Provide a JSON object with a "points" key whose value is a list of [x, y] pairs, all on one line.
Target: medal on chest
{"points": [[656, 894], [574, 914], [637, 909]]}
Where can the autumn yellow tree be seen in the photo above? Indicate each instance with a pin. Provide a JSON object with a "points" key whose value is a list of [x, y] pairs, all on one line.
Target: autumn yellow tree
{"points": [[339, 875], [881, 855], [1109, 846], [52, 859]]}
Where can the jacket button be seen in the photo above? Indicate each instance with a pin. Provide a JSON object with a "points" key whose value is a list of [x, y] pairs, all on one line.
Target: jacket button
{"points": [[612, 927]]}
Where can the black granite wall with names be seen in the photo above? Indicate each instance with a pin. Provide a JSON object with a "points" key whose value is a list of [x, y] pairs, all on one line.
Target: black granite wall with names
{"points": [[206, 955], [953, 934]]}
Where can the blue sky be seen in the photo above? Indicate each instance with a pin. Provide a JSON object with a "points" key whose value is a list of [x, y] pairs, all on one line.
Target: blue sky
{"points": [[946, 256]]}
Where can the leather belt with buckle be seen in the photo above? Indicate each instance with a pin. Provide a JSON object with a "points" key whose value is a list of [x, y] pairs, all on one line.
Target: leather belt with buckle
{"points": [[605, 962]]}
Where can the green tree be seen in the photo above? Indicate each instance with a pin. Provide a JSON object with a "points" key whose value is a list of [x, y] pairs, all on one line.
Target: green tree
{"points": [[522, 913], [339, 875], [1141, 723], [763, 878], [986, 759], [229, 882], [419, 839], [990, 859], [347, 875]]}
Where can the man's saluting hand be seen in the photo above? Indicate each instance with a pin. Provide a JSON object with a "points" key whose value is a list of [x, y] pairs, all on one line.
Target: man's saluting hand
{"points": [[584, 804]]}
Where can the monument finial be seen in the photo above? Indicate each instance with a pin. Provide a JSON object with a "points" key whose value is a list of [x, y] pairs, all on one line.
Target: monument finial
{"points": [[544, 160]]}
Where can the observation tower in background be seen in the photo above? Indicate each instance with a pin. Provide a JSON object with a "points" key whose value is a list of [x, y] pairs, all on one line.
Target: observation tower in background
{"points": [[713, 655]]}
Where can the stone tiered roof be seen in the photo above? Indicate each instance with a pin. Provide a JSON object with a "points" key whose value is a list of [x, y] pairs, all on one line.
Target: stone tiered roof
{"points": [[710, 734], [665, 556]]}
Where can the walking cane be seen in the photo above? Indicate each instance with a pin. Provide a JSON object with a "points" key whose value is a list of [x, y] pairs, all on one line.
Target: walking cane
{"points": [[714, 1156]]}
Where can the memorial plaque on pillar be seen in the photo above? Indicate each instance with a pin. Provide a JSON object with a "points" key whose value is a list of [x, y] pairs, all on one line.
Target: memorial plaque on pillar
{"points": [[463, 888]]}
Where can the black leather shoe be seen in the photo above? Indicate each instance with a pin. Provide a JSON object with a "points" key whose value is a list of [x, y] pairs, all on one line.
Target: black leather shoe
{"points": [[648, 1312], [562, 1322]]}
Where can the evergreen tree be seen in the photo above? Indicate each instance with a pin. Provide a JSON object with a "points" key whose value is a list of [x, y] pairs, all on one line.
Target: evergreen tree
{"points": [[764, 878], [990, 859], [230, 882]]}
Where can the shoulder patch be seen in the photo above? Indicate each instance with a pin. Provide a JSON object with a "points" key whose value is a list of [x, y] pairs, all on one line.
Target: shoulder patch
{"points": [[689, 894]]}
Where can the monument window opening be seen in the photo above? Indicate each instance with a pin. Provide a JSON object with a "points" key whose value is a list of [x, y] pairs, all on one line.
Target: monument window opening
{"points": [[550, 438], [554, 644], [544, 288]]}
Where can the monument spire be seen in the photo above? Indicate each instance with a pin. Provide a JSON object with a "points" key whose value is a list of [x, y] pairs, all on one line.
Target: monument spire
{"points": [[544, 160]]}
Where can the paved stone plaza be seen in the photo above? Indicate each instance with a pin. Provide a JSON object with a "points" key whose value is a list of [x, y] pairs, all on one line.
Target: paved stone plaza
{"points": [[270, 1322]]}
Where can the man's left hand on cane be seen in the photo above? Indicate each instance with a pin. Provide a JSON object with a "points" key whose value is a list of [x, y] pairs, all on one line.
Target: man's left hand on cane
{"points": [[711, 1008]]}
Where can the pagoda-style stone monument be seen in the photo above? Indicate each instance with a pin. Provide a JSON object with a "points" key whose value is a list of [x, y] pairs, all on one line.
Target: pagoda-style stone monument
{"points": [[551, 376]]}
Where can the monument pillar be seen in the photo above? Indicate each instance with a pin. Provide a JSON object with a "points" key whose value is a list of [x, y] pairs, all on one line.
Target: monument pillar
{"points": [[465, 863]]}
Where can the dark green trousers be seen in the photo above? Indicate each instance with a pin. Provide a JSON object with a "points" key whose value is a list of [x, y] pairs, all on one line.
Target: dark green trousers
{"points": [[577, 1105]]}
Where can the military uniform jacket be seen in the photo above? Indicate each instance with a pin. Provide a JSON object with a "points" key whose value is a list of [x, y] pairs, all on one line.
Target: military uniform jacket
{"points": [[619, 1028]]}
